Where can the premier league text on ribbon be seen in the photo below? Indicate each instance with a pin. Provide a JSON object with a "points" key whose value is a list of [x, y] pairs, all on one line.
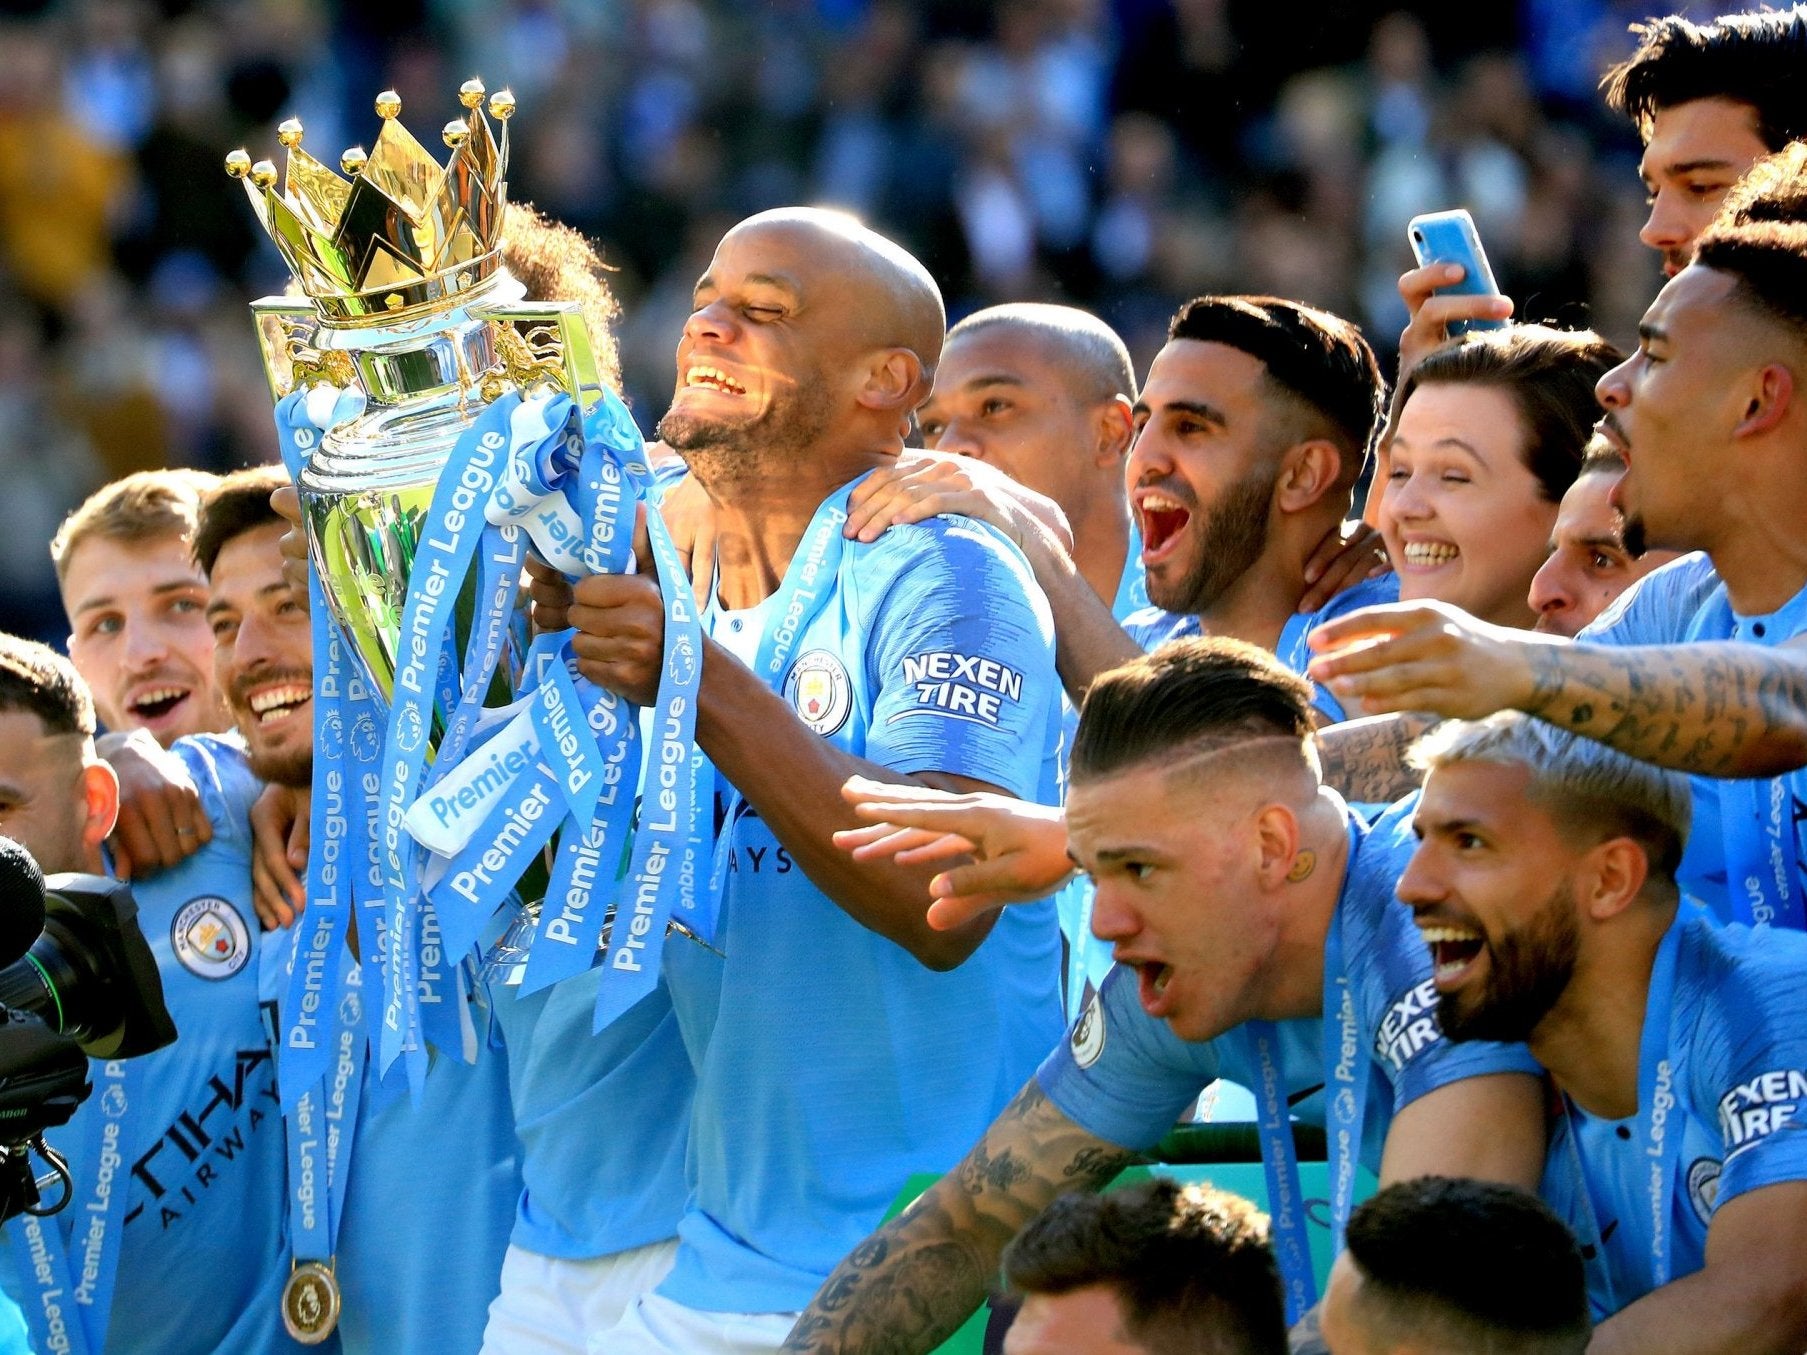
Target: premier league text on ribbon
{"points": [[435, 424]]}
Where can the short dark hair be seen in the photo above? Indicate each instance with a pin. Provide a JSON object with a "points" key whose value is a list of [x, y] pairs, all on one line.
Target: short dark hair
{"points": [[1601, 457], [36, 679], [1760, 237], [1432, 1254], [1163, 705], [1318, 358], [1190, 1265], [1753, 58], [1549, 375], [239, 503]]}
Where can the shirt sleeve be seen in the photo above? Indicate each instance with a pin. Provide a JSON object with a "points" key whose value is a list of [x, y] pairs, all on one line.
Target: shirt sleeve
{"points": [[1120, 1074], [1749, 1059], [1657, 608], [228, 787], [1151, 627], [962, 662]]}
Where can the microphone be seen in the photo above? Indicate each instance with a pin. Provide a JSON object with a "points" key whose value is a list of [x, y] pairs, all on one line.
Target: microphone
{"points": [[21, 900]]}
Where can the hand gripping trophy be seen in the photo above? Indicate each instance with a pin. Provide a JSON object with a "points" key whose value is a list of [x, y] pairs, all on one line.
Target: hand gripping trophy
{"points": [[438, 428]]}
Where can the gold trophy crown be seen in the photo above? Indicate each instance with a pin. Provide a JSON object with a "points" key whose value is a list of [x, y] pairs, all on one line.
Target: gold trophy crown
{"points": [[400, 236]]}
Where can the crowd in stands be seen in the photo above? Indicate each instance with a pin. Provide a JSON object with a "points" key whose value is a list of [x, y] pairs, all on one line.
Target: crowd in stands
{"points": [[1120, 156]]}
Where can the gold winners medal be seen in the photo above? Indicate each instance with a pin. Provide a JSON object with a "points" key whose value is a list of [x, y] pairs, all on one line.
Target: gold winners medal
{"points": [[310, 1303]]}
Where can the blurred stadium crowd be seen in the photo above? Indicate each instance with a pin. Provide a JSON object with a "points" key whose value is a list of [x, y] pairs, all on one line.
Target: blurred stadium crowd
{"points": [[1122, 155]]}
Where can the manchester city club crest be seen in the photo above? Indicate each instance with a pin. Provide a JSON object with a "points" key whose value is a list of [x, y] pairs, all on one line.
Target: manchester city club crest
{"points": [[1703, 1188], [210, 938], [819, 691]]}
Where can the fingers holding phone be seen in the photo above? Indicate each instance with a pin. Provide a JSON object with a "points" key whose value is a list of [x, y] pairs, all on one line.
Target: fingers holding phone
{"points": [[1452, 290]]}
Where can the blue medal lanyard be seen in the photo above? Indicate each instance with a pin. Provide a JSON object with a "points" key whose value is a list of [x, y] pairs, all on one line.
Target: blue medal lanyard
{"points": [[1280, 1164], [1762, 866], [336, 803], [318, 1130], [1660, 1130], [70, 1262], [808, 583], [1347, 1072]]}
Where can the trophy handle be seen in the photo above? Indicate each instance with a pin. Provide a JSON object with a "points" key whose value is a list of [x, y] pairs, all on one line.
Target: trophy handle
{"points": [[542, 341], [285, 328]]}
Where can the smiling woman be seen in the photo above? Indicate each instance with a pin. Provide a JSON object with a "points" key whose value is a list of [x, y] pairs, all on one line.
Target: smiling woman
{"points": [[1488, 433]]}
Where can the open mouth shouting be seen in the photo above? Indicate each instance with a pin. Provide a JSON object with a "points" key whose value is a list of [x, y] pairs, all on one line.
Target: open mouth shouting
{"points": [[1454, 951], [1152, 979], [1163, 520]]}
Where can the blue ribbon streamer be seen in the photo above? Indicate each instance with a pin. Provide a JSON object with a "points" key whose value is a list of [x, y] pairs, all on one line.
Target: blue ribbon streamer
{"points": [[1660, 1124], [1280, 1164], [669, 864], [808, 584], [70, 1262]]}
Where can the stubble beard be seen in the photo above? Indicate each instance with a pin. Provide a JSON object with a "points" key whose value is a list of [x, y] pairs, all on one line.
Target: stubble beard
{"points": [[291, 768], [1633, 536], [722, 453]]}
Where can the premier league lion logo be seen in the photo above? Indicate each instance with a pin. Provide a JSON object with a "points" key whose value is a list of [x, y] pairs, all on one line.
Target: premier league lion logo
{"points": [[682, 664], [409, 729]]}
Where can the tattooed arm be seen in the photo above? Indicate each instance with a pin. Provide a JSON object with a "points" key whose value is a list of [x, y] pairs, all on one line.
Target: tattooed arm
{"points": [[1364, 760], [1713, 709], [909, 1286]]}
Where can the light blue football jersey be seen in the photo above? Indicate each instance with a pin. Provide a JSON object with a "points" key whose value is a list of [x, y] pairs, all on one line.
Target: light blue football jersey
{"points": [[603, 1119], [1681, 603], [205, 1249], [1737, 1051], [428, 1207], [831, 1064], [1153, 627], [1124, 1076], [1131, 598], [429, 1202]]}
